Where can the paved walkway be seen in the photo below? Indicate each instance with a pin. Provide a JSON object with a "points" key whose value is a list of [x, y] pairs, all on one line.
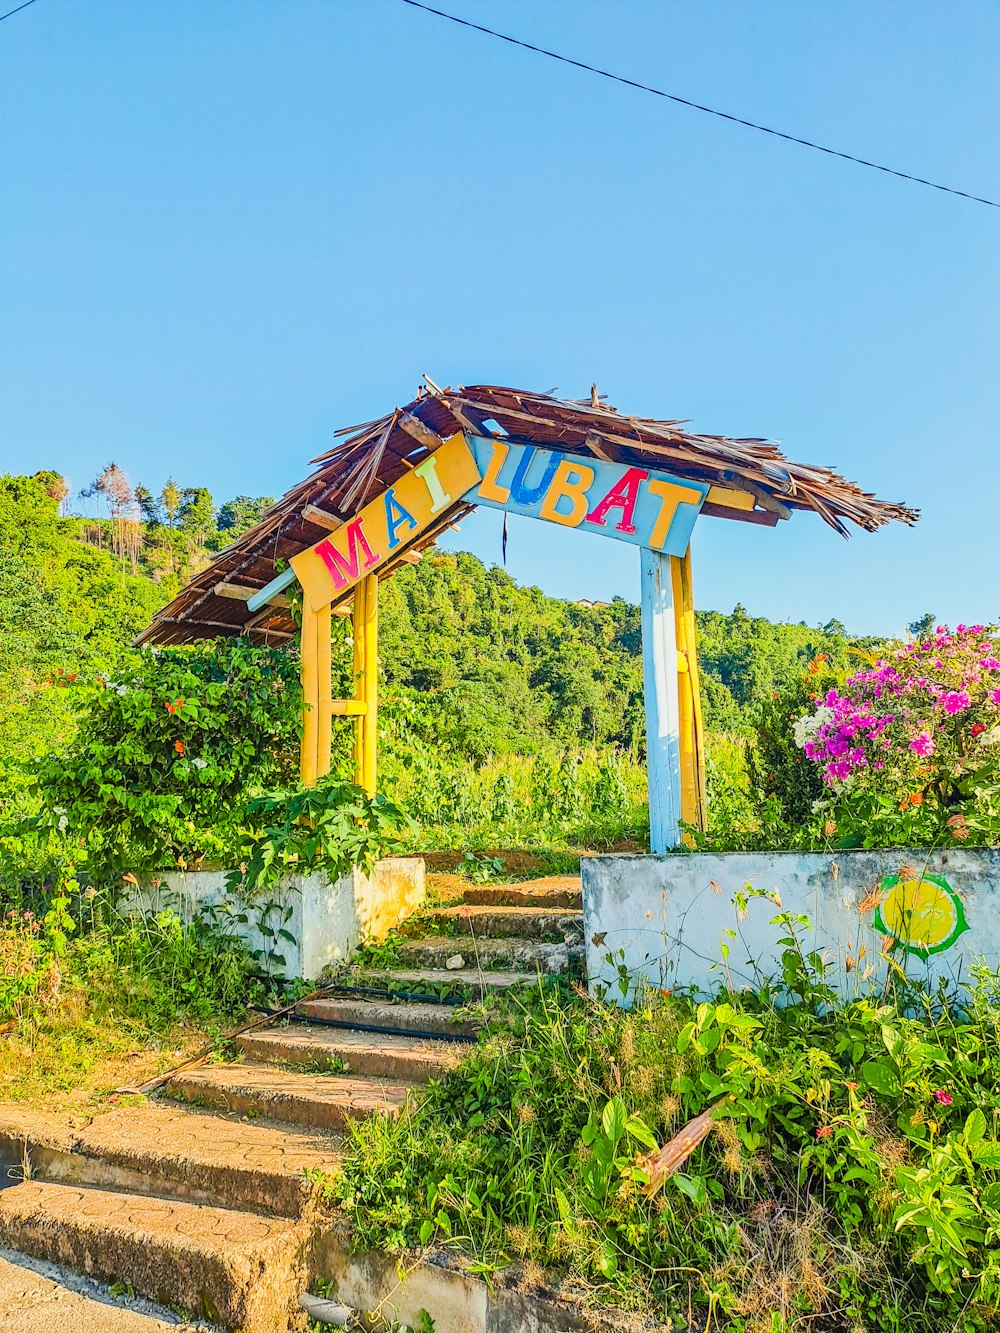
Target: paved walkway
{"points": [[31, 1302]]}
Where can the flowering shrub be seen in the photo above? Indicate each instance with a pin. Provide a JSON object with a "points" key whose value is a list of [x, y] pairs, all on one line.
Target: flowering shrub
{"points": [[909, 748], [168, 753]]}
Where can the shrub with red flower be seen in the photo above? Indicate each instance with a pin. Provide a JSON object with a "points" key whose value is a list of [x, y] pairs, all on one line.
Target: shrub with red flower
{"points": [[910, 747]]}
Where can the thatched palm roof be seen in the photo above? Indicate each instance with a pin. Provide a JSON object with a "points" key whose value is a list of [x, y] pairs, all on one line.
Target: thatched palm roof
{"points": [[371, 457]]}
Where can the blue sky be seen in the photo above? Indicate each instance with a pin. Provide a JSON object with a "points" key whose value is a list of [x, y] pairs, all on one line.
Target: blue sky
{"points": [[229, 228]]}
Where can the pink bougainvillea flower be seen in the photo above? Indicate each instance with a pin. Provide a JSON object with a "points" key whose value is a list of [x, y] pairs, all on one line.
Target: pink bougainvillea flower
{"points": [[955, 701], [922, 744], [943, 1098]]}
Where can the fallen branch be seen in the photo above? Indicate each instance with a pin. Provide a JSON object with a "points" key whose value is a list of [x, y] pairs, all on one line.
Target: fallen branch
{"points": [[672, 1156], [153, 1083]]}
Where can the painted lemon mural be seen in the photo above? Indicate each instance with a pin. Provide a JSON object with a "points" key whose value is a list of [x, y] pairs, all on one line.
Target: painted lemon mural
{"points": [[923, 916]]}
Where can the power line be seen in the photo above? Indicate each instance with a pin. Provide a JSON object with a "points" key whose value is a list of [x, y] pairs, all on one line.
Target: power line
{"points": [[697, 106], [11, 12]]}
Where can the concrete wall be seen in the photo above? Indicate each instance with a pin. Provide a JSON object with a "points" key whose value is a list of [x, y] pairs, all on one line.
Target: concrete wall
{"points": [[326, 920], [937, 915]]}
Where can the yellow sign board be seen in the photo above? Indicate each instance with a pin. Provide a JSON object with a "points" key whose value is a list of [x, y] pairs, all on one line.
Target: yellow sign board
{"points": [[387, 524]]}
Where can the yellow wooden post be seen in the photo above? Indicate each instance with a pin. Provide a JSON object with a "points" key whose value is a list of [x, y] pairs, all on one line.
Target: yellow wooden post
{"points": [[692, 756], [310, 694], [324, 668], [694, 677], [360, 600], [369, 721]]}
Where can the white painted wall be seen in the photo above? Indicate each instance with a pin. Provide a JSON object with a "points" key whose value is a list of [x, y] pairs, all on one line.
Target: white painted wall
{"points": [[668, 914], [328, 920]]}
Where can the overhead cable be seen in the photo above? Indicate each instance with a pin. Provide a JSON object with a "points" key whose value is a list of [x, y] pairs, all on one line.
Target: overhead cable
{"points": [[698, 106]]}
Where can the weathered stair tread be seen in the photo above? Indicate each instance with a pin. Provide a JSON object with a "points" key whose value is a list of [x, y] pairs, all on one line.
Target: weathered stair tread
{"points": [[254, 1164], [524, 922], [33, 1303], [552, 891], [531, 954], [441, 1018], [470, 977], [238, 1268], [323, 1101], [371, 1054], [54, 1129]]}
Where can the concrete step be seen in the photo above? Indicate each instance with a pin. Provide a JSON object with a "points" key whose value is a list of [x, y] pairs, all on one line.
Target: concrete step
{"points": [[509, 922], [235, 1268], [36, 1297], [531, 955], [161, 1149], [474, 982], [443, 1018], [365, 1053], [553, 891], [321, 1101]]}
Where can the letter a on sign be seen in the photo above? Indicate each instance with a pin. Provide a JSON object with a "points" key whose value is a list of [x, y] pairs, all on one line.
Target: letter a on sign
{"points": [[387, 524]]}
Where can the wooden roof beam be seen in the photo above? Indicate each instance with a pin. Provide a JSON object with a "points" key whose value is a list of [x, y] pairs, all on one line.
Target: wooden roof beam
{"points": [[321, 518], [242, 592]]}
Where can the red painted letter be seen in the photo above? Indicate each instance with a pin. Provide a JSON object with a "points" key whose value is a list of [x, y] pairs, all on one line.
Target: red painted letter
{"points": [[344, 570], [623, 495]]}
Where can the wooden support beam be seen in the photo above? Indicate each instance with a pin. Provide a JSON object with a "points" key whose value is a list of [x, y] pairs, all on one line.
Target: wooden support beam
{"points": [[729, 499], [359, 671], [321, 518], [412, 557], [242, 592], [324, 667], [270, 590], [310, 696], [692, 753], [759, 516], [660, 694], [209, 624], [420, 431], [369, 722]]}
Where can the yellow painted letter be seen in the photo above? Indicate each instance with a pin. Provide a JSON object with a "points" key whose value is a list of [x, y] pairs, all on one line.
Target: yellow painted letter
{"points": [[488, 487], [571, 480], [671, 495]]}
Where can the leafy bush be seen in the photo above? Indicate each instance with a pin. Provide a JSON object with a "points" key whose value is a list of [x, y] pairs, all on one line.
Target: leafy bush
{"points": [[330, 828], [167, 755], [852, 1180], [909, 749]]}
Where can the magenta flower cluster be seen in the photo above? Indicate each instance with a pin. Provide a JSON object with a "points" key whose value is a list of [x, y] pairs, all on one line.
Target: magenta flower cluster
{"points": [[911, 702]]}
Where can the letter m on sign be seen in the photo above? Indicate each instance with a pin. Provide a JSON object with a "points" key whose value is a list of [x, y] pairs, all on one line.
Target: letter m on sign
{"points": [[346, 569]]}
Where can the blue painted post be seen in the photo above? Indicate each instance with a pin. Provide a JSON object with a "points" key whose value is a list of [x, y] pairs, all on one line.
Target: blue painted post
{"points": [[659, 682]]}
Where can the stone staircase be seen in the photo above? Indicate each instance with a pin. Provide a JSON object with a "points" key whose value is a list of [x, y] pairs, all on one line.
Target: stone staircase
{"points": [[202, 1199]]}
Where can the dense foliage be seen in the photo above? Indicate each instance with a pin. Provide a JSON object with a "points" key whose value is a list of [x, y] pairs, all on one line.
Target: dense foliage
{"points": [[168, 751], [851, 1181], [507, 715]]}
